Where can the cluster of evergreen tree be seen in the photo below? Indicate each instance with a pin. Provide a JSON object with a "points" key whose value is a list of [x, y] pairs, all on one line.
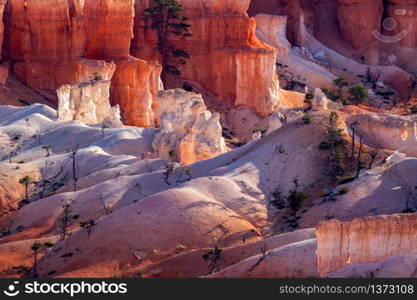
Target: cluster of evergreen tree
{"points": [[166, 18]]}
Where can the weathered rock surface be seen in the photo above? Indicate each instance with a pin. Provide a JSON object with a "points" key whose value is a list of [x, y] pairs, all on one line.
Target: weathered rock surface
{"points": [[57, 42], [272, 30], [2, 4], [89, 103], [219, 201], [404, 266], [404, 12], [226, 57], [190, 264], [295, 260], [387, 131], [365, 240], [135, 86], [188, 131], [358, 18], [320, 101]]}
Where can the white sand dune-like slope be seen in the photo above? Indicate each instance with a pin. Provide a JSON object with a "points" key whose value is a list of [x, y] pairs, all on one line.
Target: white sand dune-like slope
{"points": [[153, 220]]}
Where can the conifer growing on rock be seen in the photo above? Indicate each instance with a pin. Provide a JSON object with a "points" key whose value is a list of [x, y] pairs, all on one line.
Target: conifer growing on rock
{"points": [[167, 19]]}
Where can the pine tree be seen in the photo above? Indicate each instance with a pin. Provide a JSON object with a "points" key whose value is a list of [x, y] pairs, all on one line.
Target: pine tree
{"points": [[35, 248], [411, 93], [26, 181], [359, 94], [167, 19]]}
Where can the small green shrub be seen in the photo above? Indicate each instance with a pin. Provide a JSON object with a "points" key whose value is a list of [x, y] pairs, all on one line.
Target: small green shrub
{"points": [[359, 94], [306, 119], [324, 145], [344, 190], [278, 199], [295, 199]]}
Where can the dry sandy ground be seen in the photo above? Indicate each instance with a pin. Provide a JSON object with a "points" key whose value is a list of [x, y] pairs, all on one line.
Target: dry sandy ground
{"points": [[157, 223]]}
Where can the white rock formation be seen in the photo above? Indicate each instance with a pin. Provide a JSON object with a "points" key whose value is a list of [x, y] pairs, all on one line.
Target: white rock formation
{"points": [[188, 131], [88, 102], [272, 30], [320, 101]]}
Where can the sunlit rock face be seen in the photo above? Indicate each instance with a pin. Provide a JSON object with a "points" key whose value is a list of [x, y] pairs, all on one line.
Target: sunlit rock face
{"points": [[272, 30], [88, 102], [2, 4], [135, 86], [188, 131], [404, 12], [51, 43], [226, 57], [56, 42], [364, 240], [387, 131], [320, 101], [357, 20]]}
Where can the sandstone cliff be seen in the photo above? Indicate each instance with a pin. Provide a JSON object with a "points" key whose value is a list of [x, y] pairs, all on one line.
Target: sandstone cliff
{"points": [[358, 19], [272, 30], [226, 57], [365, 240], [57, 42], [405, 14]]}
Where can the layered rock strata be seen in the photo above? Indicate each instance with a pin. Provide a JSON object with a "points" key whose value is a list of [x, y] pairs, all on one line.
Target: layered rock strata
{"points": [[226, 57], [57, 42], [364, 240]]}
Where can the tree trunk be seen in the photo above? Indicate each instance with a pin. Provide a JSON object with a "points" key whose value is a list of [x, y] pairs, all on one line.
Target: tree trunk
{"points": [[35, 265], [27, 193], [358, 171]]}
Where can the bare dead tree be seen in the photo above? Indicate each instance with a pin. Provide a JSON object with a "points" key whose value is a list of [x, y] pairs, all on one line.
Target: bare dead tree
{"points": [[353, 129], [88, 226], [65, 219], [374, 154], [14, 146], [374, 77], [359, 166], [213, 257], [47, 148], [377, 76], [261, 259], [74, 168], [48, 184], [106, 209]]}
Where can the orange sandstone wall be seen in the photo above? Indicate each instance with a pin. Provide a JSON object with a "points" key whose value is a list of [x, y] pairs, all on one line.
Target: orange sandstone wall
{"points": [[56, 42], [226, 57], [364, 240]]}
